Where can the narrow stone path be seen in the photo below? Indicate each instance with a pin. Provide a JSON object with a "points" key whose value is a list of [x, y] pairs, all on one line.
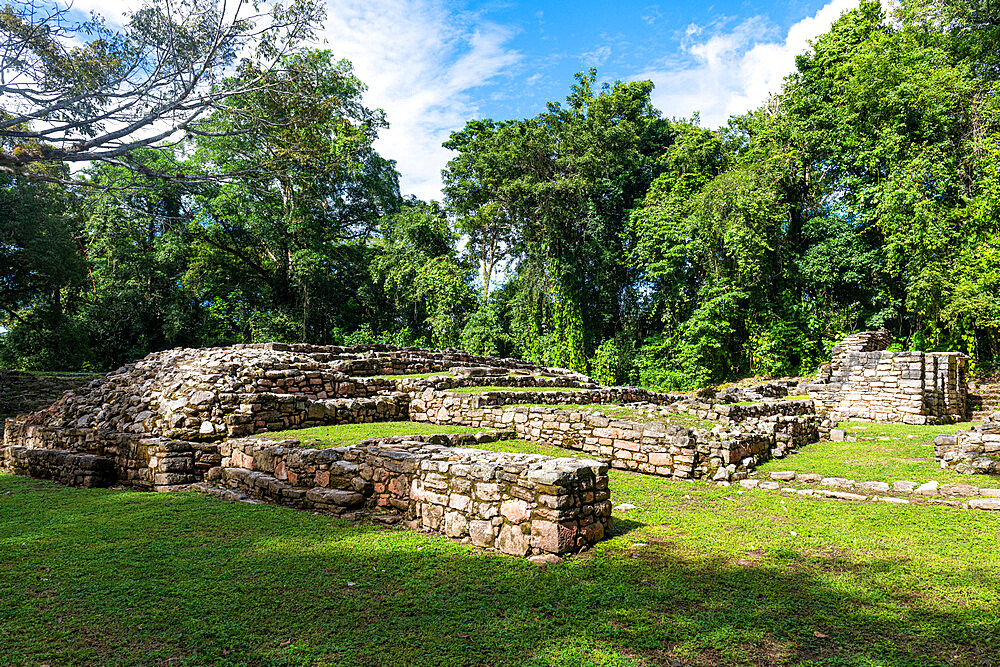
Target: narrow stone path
{"points": [[967, 496]]}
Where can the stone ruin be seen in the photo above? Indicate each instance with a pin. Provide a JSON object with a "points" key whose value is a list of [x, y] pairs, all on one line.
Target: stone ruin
{"points": [[864, 382], [184, 418], [22, 392], [974, 451]]}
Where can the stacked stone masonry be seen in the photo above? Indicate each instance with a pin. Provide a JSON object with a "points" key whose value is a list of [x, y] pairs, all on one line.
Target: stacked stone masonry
{"points": [[973, 451], [651, 447], [863, 382], [176, 419], [183, 418], [520, 504]]}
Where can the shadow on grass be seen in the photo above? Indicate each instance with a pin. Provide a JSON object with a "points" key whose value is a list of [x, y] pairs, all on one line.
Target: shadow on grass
{"points": [[107, 577], [625, 526]]}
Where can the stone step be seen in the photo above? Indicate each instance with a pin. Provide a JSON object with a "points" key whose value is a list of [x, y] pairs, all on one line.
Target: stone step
{"points": [[260, 485]]}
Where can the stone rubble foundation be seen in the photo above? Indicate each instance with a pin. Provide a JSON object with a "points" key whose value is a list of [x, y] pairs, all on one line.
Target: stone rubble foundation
{"points": [[974, 451], [519, 504]]}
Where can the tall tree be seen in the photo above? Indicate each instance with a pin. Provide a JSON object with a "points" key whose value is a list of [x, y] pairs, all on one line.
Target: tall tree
{"points": [[313, 183]]}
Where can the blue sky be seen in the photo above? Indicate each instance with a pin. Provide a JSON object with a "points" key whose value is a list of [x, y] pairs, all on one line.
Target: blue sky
{"points": [[432, 65]]}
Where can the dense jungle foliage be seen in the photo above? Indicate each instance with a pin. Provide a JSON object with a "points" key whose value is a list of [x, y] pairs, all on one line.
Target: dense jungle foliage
{"points": [[597, 235]]}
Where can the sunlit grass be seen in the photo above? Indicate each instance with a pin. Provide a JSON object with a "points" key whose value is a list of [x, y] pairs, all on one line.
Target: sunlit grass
{"points": [[883, 453], [343, 435], [696, 575]]}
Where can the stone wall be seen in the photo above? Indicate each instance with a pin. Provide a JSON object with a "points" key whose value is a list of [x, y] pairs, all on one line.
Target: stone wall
{"points": [[727, 414], [367, 360], [865, 383], [136, 461], [973, 451], [59, 465], [26, 392], [175, 392], [517, 503], [651, 447], [181, 417]]}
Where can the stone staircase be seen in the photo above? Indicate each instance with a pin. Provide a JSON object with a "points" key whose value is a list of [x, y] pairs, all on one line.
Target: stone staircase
{"points": [[983, 399]]}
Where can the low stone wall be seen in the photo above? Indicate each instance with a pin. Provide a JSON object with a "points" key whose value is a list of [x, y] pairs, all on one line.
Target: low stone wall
{"points": [[137, 461], [726, 413], [258, 413], [973, 451], [366, 360], [571, 395], [209, 416], [59, 465], [865, 383], [650, 447], [517, 503], [515, 382]]}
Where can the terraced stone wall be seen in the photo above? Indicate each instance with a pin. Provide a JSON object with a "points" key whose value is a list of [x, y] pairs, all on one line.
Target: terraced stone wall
{"points": [[59, 465], [26, 392], [651, 447], [863, 382], [137, 461], [519, 504]]}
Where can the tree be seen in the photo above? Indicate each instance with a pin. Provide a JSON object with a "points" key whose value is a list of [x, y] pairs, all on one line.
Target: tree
{"points": [[279, 241], [553, 192], [40, 269], [415, 262], [84, 92]]}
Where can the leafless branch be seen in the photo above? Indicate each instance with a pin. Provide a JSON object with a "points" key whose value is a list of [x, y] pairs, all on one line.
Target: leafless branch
{"points": [[81, 92]]}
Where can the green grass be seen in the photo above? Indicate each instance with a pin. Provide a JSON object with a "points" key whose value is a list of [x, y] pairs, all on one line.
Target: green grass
{"points": [[484, 389], [626, 413], [897, 457], [343, 435], [697, 576], [528, 447], [408, 376]]}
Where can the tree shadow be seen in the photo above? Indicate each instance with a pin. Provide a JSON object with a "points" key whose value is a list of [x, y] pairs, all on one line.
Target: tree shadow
{"points": [[148, 579]]}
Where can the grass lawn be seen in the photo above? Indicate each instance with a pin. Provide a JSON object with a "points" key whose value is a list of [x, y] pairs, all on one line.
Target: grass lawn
{"points": [[408, 376], [483, 390], [343, 435], [696, 576], [886, 454]]}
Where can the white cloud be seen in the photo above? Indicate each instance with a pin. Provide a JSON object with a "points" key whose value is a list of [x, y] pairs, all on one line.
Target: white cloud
{"points": [[733, 72], [596, 57], [420, 62]]}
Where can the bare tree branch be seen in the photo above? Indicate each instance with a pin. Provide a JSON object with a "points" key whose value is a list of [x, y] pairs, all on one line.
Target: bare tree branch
{"points": [[81, 92]]}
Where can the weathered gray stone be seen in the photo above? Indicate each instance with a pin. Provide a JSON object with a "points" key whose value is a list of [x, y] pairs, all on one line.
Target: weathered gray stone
{"points": [[880, 487], [985, 503], [513, 541], [959, 490]]}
